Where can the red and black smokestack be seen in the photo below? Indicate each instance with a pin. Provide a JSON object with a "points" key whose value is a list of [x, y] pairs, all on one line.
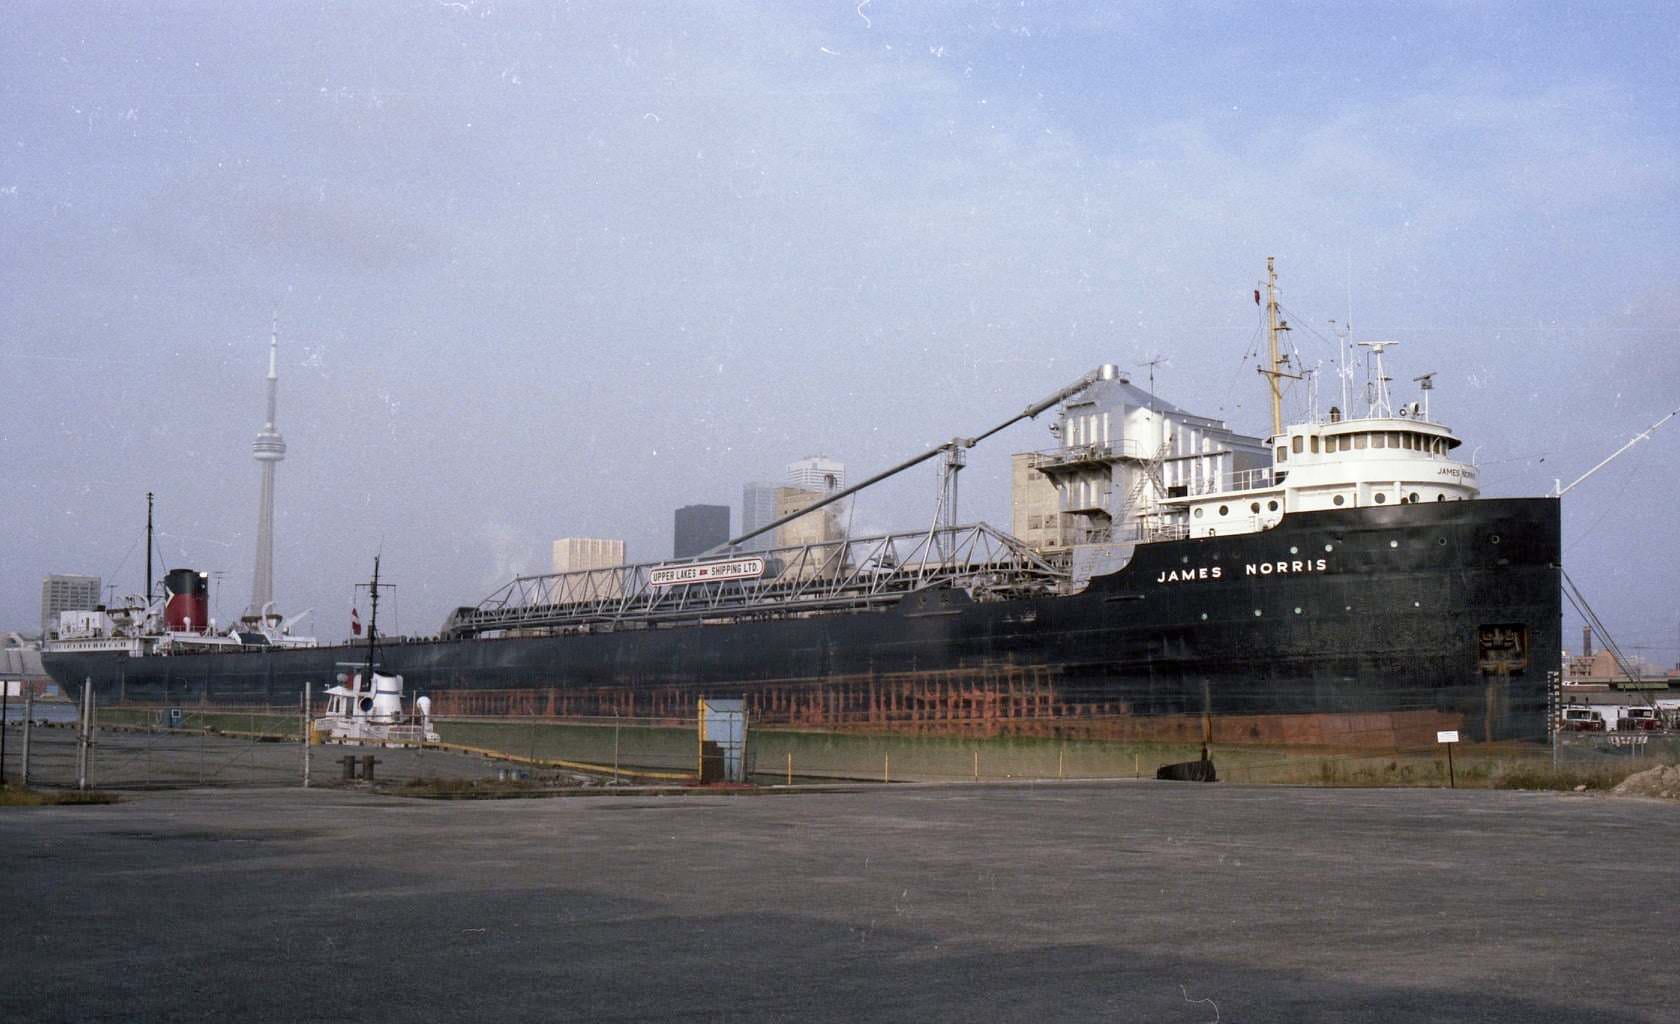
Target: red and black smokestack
{"points": [[188, 607]]}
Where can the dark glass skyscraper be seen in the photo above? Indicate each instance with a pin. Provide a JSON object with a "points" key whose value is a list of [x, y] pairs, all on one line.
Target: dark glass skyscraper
{"points": [[699, 527]]}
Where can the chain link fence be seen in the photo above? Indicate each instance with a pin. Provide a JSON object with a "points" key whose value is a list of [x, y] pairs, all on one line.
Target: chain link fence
{"points": [[168, 747]]}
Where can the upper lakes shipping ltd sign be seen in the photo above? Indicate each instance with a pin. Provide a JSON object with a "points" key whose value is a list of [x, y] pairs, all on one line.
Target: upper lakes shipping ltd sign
{"points": [[706, 572]]}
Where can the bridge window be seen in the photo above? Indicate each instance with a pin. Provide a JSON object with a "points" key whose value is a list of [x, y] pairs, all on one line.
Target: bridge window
{"points": [[1299, 444], [1359, 441], [1315, 444], [1282, 453], [1379, 441]]}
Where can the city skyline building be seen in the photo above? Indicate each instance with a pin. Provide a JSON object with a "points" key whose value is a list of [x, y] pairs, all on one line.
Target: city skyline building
{"points": [[817, 473], [586, 554], [698, 529], [66, 592], [758, 508], [268, 449]]}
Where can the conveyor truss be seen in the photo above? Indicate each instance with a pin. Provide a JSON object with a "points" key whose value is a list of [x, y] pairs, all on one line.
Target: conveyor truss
{"points": [[842, 575]]}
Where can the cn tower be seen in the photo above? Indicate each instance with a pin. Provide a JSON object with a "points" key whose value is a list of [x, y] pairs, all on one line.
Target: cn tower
{"points": [[269, 448]]}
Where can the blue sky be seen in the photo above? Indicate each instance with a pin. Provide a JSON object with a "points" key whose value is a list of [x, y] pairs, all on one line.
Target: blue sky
{"points": [[547, 270]]}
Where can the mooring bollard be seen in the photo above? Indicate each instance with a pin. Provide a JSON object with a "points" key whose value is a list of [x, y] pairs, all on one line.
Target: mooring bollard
{"points": [[368, 761]]}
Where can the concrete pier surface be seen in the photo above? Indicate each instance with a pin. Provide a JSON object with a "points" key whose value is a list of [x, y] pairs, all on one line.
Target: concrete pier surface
{"points": [[1086, 901]]}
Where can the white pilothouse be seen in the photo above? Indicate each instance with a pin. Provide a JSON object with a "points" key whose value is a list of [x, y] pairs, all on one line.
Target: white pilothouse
{"points": [[1133, 468]]}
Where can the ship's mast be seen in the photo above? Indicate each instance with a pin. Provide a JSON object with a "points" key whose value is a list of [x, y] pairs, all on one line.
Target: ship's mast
{"points": [[148, 601], [373, 620], [1274, 373]]}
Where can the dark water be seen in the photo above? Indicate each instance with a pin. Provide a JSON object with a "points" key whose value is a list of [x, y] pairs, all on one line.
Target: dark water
{"points": [[45, 711]]}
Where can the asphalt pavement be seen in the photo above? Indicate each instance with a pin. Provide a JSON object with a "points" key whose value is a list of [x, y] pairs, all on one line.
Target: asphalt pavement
{"points": [[1125, 901]]}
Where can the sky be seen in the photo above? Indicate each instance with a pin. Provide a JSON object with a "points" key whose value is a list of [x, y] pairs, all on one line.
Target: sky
{"points": [[548, 270]]}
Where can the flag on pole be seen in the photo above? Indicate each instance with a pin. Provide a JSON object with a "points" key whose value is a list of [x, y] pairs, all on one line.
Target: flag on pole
{"points": [[355, 622]]}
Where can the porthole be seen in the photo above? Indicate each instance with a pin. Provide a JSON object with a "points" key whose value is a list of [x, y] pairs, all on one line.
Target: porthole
{"points": [[1493, 538], [1224, 510], [1329, 547], [1414, 498], [1294, 550], [1417, 604], [1338, 499], [1257, 613], [1441, 541], [1271, 506], [1204, 616], [1198, 513], [1297, 611], [1254, 506], [1381, 497], [1393, 543], [1185, 559], [1440, 497]]}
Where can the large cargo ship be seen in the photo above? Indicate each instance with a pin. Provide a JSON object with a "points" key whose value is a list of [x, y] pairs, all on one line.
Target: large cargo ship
{"points": [[1338, 583]]}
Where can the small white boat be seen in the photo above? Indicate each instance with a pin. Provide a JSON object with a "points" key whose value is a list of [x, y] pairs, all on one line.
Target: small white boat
{"points": [[374, 715]]}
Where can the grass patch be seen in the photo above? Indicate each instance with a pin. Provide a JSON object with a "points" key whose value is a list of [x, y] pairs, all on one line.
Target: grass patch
{"points": [[470, 789], [11, 796], [1541, 775]]}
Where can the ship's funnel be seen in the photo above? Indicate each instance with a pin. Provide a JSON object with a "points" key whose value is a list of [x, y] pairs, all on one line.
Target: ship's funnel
{"points": [[188, 599]]}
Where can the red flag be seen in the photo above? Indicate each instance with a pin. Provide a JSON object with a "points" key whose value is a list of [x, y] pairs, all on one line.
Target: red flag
{"points": [[1257, 296], [355, 622]]}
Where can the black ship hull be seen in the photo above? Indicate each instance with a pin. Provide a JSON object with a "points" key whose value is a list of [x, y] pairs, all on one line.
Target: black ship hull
{"points": [[1368, 627]]}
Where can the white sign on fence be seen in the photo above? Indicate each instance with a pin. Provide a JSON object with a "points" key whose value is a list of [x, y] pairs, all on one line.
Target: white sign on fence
{"points": [[1448, 736], [14, 687], [706, 572]]}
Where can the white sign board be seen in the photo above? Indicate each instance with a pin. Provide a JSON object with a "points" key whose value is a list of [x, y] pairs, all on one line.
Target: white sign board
{"points": [[706, 572], [14, 687], [1449, 736]]}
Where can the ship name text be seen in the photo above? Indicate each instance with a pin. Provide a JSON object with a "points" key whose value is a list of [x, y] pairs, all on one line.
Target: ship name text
{"points": [[1281, 567]]}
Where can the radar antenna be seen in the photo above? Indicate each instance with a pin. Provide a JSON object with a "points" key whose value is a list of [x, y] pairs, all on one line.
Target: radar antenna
{"points": [[1426, 384], [1379, 385]]}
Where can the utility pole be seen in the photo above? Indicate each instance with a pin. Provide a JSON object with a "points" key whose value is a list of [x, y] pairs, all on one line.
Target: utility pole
{"points": [[84, 744], [5, 723], [306, 703], [28, 721]]}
